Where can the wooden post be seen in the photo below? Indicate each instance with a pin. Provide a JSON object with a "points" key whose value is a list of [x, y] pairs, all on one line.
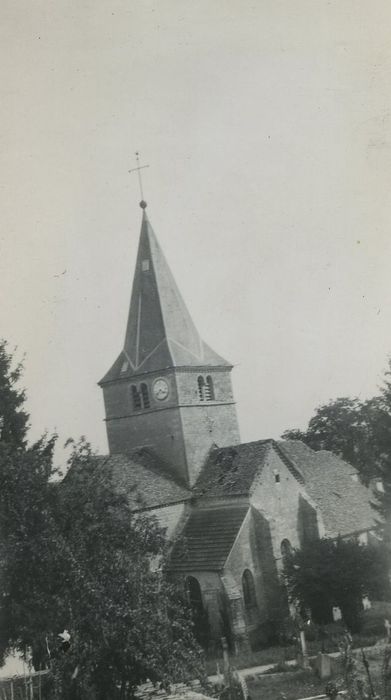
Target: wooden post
{"points": [[306, 663], [225, 659]]}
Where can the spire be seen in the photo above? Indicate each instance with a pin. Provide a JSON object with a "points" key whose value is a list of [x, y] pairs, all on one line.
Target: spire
{"points": [[160, 332]]}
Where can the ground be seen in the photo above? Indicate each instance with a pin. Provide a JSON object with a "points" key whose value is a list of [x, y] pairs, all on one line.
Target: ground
{"points": [[297, 684]]}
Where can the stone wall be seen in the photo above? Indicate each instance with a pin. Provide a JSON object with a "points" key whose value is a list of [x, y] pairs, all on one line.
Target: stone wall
{"points": [[182, 429], [280, 497]]}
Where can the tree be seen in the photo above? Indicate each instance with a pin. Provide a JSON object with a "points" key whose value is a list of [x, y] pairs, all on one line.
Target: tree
{"points": [[359, 432], [73, 557], [13, 417], [26, 526], [327, 573], [127, 620]]}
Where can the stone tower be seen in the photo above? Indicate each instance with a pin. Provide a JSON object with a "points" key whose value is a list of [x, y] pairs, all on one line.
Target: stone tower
{"points": [[168, 391]]}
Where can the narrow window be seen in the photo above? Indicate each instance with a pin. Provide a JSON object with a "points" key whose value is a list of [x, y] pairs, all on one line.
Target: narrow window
{"points": [[209, 389], [136, 398], [145, 395], [201, 388], [249, 597], [286, 550], [276, 477]]}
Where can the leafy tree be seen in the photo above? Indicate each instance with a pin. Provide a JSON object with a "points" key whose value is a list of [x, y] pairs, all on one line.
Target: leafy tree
{"points": [[13, 417], [74, 557], [359, 432], [127, 621], [26, 527], [327, 573]]}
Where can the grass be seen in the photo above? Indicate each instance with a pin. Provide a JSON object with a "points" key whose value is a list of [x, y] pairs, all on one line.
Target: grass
{"points": [[372, 631], [292, 685], [302, 684]]}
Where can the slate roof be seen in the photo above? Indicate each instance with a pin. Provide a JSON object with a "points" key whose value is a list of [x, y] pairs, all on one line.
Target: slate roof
{"points": [[230, 471], [207, 538], [160, 331], [345, 503], [139, 476]]}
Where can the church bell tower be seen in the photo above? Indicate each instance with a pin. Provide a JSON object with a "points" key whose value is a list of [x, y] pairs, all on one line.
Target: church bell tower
{"points": [[167, 391]]}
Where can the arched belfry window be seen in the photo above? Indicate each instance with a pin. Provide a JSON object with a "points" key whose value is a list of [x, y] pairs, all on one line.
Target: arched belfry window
{"points": [[248, 585], [209, 389], [136, 398], [206, 391], [201, 388], [145, 395], [140, 397]]}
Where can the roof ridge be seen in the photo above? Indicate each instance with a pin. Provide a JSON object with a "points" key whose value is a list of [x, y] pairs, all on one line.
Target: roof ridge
{"points": [[288, 461]]}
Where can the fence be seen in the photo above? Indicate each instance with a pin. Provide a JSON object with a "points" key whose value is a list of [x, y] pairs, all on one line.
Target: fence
{"points": [[29, 687]]}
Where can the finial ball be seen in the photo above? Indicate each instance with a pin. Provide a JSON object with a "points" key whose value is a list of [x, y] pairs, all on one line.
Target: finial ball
{"points": [[143, 204]]}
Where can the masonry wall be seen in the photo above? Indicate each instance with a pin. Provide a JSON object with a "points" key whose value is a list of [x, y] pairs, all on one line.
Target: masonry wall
{"points": [[281, 502], [182, 428], [204, 427], [187, 385], [212, 597], [158, 427], [245, 555]]}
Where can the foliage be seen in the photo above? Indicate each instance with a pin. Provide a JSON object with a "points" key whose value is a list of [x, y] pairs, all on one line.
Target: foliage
{"points": [[327, 573], [357, 675], [30, 560], [127, 620], [13, 417], [73, 556], [359, 432]]}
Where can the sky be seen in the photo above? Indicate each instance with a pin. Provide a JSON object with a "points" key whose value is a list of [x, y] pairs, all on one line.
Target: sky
{"points": [[267, 129]]}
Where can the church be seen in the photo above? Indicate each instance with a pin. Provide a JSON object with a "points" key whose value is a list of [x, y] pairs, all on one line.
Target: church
{"points": [[232, 510]]}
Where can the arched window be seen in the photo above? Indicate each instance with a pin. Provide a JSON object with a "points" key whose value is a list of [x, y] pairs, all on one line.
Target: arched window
{"points": [[209, 389], [201, 388], [193, 591], [136, 398], [145, 395], [286, 549], [249, 597], [199, 613]]}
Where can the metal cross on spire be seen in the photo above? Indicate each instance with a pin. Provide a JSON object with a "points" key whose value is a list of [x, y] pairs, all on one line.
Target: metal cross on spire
{"points": [[143, 203]]}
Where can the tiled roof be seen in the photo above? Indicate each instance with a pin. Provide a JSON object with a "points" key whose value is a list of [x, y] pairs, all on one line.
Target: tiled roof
{"points": [[230, 471], [207, 538], [139, 476], [344, 502]]}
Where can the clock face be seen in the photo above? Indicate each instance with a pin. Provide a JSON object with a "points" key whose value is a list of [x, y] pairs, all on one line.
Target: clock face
{"points": [[160, 389]]}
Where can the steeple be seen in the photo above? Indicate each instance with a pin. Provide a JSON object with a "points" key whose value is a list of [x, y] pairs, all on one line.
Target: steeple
{"points": [[167, 392], [160, 332]]}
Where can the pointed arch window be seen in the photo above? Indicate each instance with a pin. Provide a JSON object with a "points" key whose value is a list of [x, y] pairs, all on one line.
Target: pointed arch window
{"points": [[145, 395], [136, 398], [209, 389], [248, 585], [201, 388]]}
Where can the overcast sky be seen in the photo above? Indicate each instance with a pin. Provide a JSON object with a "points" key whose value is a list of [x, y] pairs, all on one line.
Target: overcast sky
{"points": [[267, 127]]}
